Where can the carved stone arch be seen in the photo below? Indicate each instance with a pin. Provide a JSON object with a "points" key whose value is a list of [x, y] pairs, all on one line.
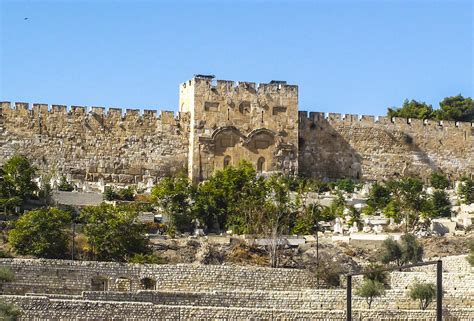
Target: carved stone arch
{"points": [[224, 129], [259, 131]]}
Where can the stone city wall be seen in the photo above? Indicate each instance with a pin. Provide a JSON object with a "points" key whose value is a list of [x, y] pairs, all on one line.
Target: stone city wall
{"points": [[111, 146], [96, 144], [43, 308], [73, 277], [364, 147]]}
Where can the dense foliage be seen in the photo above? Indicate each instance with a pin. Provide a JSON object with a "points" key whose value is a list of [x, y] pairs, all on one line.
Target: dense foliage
{"points": [[455, 108], [408, 250], [114, 232], [466, 190], [41, 233], [16, 182], [424, 292], [369, 290], [9, 312]]}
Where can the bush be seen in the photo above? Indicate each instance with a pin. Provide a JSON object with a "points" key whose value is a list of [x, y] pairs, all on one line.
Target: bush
{"points": [[141, 258], [412, 251], [466, 190], [391, 251], [64, 185], [110, 194], [424, 292], [439, 181], [8, 312], [6, 275], [376, 275], [5, 255], [41, 233], [330, 273], [369, 290], [403, 252]]}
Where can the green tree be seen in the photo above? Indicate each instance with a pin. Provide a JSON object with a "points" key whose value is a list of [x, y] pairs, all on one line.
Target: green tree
{"points": [[218, 198], [335, 209], [439, 180], [8, 198], [41, 233], [369, 290], [424, 292], [174, 196], [456, 108], [19, 174], [441, 204], [466, 190], [412, 250], [408, 250], [391, 252], [412, 109], [379, 196], [9, 312], [408, 194], [114, 232]]}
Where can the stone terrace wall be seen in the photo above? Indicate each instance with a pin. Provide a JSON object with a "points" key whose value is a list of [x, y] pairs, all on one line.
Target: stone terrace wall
{"points": [[73, 277], [335, 147], [43, 308], [324, 299], [96, 145]]}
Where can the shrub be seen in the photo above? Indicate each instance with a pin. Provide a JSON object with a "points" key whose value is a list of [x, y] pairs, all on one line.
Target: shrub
{"points": [[330, 273], [424, 292], [64, 185], [110, 194], [375, 274], [8, 312], [41, 233], [439, 181], [391, 251], [369, 290], [403, 252], [141, 258]]}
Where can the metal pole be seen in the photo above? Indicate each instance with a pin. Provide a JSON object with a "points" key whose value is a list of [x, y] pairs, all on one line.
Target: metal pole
{"points": [[439, 290], [349, 298], [73, 239], [317, 254]]}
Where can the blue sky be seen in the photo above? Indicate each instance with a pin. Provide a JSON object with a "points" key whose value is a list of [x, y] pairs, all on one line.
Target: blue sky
{"points": [[346, 56]]}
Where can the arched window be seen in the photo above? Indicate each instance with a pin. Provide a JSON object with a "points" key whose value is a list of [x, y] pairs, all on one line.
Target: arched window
{"points": [[99, 283], [148, 283], [261, 165], [227, 160], [123, 284]]}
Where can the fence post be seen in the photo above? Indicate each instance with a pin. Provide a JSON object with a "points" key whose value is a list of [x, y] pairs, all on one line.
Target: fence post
{"points": [[349, 298], [439, 290]]}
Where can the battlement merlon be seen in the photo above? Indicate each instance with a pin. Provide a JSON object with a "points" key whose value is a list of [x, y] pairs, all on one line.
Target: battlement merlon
{"points": [[22, 109], [313, 117]]}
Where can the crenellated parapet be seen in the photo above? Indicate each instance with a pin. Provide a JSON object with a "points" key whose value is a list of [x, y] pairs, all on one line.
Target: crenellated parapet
{"points": [[360, 119], [112, 113], [334, 145]]}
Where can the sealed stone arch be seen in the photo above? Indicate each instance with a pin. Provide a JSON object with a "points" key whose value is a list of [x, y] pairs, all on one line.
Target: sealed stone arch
{"points": [[99, 283], [148, 283], [123, 284]]}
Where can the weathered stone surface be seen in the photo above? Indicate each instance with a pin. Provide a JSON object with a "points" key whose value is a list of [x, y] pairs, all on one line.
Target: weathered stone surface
{"points": [[222, 123]]}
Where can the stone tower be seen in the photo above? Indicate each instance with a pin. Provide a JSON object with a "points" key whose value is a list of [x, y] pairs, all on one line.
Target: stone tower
{"points": [[232, 121]]}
